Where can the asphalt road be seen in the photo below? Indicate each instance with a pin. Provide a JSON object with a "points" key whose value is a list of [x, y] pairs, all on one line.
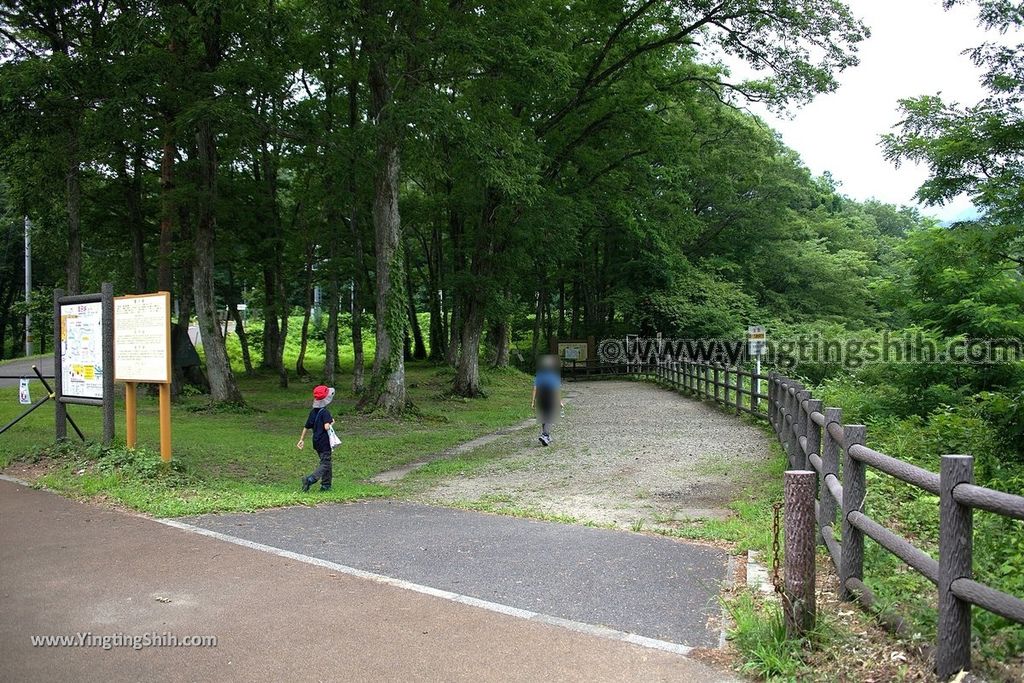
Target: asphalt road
{"points": [[23, 368], [69, 568], [648, 585]]}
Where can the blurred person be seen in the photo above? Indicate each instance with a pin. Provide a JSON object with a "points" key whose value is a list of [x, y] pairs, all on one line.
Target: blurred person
{"points": [[547, 386]]}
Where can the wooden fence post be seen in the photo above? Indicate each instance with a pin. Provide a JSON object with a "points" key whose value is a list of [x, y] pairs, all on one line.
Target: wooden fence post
{"points": [[814, 446], [829, 465], [803, 419], [799, 574], [739, 391], [716, 383], [854, 489], [788, 421], [956, 522], [725, 381], [707, 381]]}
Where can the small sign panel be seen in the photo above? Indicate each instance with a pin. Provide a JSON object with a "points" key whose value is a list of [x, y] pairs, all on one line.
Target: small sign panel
{"points": [[24, 395], [757, 340], [570, 351], [81, 350], [142, 338]]}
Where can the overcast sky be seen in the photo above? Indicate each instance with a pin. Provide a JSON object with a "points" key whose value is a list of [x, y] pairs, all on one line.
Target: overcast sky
{"points": [[915, 48]]}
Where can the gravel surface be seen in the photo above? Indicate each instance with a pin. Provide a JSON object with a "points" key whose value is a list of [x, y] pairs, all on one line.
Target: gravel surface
{"points": [[626, 453]]}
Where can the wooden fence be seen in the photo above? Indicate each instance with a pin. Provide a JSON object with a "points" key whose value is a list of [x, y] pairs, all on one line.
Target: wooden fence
{"points": [[815, 439]]}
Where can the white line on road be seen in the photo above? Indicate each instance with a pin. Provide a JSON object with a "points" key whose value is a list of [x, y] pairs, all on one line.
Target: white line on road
{"points": [[590, 629]]}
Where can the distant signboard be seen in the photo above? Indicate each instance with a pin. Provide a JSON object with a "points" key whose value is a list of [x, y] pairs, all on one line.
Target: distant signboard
{"points": [[572, 351], [142, 338], [757, 339], [81, 350]]}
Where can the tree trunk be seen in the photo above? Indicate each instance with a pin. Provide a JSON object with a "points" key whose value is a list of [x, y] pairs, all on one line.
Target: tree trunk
{"points": [[387, 385], [419, 351], [331, 341], [467, 373], [167, 210], [360, 275], [73, 196], [243, 338], [132, 185], [271, 331], [358, 354], [538, 320], [457, 297], [223, 388], [561, 307], [438, 340], [501, 348], [300, 367]]}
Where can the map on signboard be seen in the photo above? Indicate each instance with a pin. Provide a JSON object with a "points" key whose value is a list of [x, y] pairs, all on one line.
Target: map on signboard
{"points": [[142, 344], [81, 350]]}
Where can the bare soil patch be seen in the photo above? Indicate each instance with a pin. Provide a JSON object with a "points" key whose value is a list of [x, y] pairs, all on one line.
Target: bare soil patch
{"points": [[627, 454]]}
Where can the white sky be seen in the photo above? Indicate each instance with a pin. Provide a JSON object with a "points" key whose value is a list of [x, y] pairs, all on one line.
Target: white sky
{"points": [[915, 49]]}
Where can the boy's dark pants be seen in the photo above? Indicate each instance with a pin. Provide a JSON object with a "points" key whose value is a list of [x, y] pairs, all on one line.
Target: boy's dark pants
{"points": [[323, 472]]}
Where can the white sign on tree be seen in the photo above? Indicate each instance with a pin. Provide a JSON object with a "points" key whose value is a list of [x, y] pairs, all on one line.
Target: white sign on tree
{"points": [[142, 338]]}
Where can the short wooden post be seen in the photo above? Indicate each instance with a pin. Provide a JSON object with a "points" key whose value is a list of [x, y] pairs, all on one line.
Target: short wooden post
{"points": [[829, 465], [956, 524], [717, 382], [739, 391], [725, 381], [854, 489], [799, 574], [707, 381]]}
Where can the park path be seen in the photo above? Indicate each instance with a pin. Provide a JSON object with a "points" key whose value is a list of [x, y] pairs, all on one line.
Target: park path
{"points": [[70, 568], [628, 454]]}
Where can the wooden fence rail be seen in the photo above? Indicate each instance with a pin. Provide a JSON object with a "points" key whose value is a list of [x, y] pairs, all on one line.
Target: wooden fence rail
{"points": [[815, 438]]}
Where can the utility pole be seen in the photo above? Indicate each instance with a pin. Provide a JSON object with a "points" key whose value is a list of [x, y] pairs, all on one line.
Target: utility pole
{"points": [[28, 288]]}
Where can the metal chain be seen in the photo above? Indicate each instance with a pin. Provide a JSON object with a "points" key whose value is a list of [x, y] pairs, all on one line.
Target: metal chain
{"points": [[776, 515]]}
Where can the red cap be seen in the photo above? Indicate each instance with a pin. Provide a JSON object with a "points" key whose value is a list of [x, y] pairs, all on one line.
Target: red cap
{"points": [[320, 392]]}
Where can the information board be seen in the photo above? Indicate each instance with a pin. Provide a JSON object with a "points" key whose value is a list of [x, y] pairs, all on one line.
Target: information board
{"points": [[142, 338], [81, 350], [572, 351], [757, 340]]}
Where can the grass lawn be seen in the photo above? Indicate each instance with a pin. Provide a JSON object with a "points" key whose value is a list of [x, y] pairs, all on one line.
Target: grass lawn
{"points": [[244, 460]]}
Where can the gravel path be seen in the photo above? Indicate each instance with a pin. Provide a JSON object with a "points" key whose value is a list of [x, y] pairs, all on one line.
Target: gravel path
{"points": [[627, 453]]}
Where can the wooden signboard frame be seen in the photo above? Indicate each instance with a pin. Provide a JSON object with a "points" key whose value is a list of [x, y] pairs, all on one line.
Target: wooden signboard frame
{"points": [[163, 382]]}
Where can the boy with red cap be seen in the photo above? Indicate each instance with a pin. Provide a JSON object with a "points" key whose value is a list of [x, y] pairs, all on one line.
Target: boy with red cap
{"points": [[319, 421]]}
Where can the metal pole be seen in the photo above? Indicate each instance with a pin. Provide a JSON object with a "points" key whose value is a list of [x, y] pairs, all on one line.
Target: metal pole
{"points": [[755, 383], [107, 304], [60, 412], [29, 346]]}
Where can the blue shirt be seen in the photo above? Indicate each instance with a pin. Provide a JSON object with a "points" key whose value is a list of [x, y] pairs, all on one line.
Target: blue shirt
{"points": [[547, 380], [318, 420]]}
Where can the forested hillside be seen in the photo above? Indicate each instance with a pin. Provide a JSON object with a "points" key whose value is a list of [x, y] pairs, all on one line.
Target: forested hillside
{"points": [[582, 168]]}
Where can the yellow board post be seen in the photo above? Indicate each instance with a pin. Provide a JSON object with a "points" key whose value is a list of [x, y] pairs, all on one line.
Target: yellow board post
{"points": [[130, 425], [165, 422]]}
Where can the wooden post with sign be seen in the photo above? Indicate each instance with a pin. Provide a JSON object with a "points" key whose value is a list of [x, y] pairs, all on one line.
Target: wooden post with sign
{"points": [[142, 353]]}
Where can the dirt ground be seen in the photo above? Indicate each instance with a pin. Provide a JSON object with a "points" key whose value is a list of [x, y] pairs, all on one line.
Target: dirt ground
{"points": [[625, 454]]}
